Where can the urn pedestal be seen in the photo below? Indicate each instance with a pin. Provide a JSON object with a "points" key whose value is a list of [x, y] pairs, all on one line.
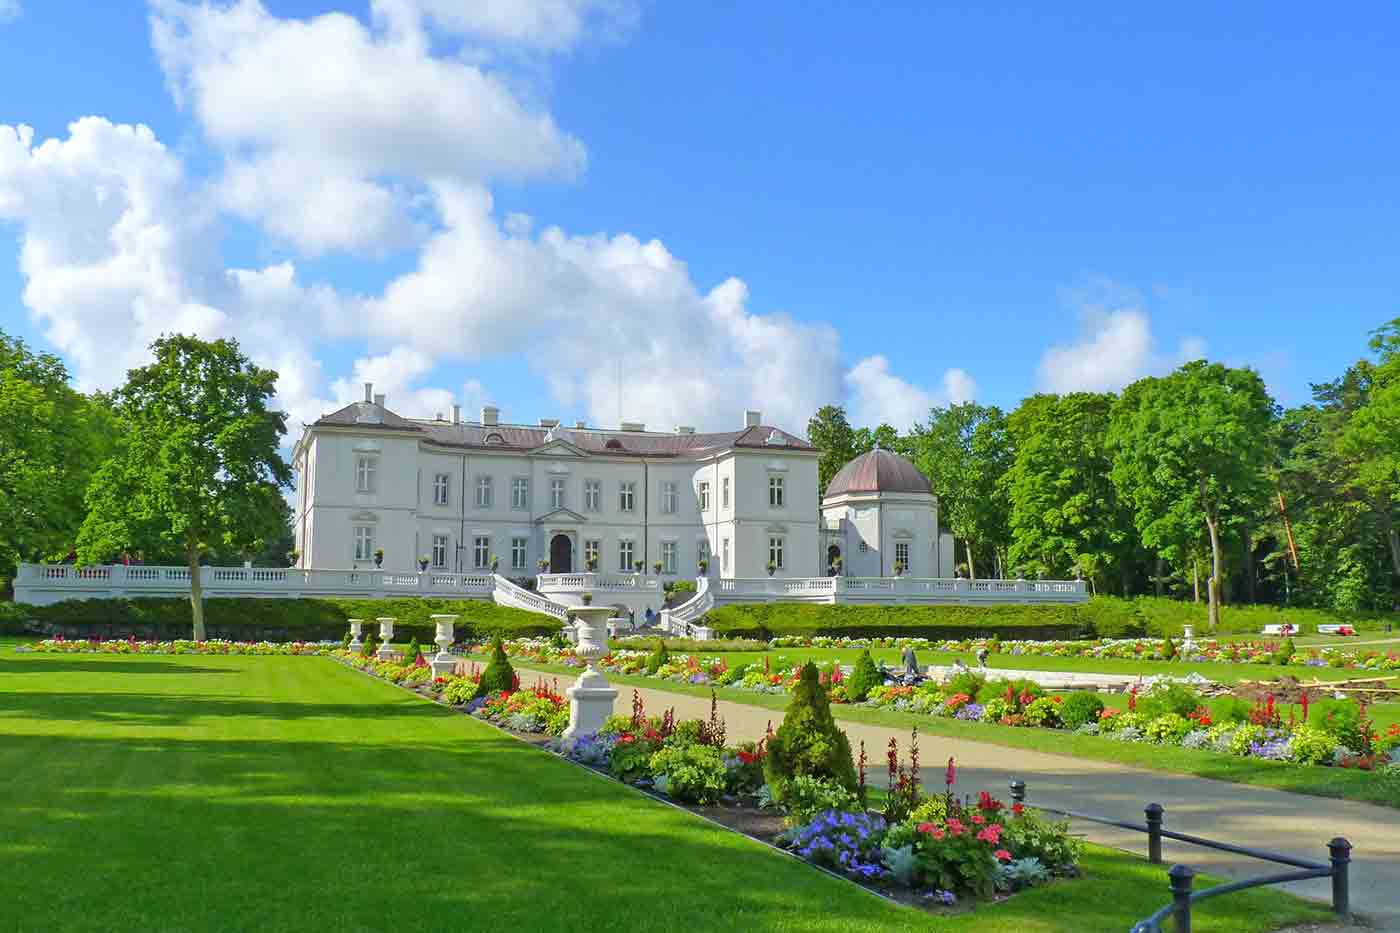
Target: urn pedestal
{"points": [[590, 698], [386, 638], [444, 662], [356, 627]]}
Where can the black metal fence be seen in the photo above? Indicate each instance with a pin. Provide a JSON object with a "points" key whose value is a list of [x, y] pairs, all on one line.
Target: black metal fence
{"points": [[1182, 877]]}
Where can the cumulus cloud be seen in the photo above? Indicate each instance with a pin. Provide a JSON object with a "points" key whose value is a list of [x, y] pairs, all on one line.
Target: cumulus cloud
{"points": [[330, 128], [10, 9], [880, 397], [338, 135], [1115, 345]]}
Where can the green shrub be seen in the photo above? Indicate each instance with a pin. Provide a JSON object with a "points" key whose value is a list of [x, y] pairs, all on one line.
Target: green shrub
{"points": [[1168, 728], [807, 797], [1230, 709], [499, 675], [658, 657], [1342, 718], [865, 676], [631, 761], [309, 619], [1043, 712], [997, 690], [1284, 653], [1311, 745], [1032, 836], [967, 683], [995, 708], [1168, 698], [368, 647], [690, 773], [808, 742], [1080, 707], [686, 732], [411, 655]]}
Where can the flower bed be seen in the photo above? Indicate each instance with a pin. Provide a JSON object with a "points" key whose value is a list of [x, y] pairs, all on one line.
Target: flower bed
{"points": [[132, 646], [1329, 734]]}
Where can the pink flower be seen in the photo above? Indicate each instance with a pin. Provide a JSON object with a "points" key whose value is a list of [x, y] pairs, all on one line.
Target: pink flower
{"points": [[979, 819], [1003, 855], [926, 827], [955, 826]]}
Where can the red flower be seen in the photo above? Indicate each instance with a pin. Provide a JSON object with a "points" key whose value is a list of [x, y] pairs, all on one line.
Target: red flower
{"points": [[1018, 808], [1003, 855], [955, 826], [926, 827], [979, 819]]}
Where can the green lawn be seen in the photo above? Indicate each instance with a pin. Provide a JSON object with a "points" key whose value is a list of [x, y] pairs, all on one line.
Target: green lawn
{"points": [[225, 793]]}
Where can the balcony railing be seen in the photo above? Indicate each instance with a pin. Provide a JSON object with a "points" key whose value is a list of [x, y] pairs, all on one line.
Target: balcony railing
{"points": [[898, 589], [593, 582]]}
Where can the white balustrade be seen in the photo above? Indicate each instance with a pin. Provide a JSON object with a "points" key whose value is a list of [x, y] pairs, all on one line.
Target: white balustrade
{"points": [[587, 582]]}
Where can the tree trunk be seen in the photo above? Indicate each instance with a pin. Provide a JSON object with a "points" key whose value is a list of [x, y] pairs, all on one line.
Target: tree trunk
{"points": [[971, 567], [1157, 577], [1213, 585], [196, 591], [1248, 541], [1195, 580], [1393, 537]]}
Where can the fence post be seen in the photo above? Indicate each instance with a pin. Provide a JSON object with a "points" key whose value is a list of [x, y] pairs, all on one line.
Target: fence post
{"points": [[1182, 877], [1340, 851], [1154, 832], [1018, 791]]}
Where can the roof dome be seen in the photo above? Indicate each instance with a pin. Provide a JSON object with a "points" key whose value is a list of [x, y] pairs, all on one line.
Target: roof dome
{"points": [[878, 471]]}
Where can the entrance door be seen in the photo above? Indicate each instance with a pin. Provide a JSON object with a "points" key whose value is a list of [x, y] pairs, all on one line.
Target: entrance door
{"points": [[833, 554], [561, 555]]}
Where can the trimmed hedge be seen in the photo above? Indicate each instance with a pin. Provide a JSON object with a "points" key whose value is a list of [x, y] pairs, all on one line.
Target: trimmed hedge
{"points": [[1100, 617], [270, 619]]}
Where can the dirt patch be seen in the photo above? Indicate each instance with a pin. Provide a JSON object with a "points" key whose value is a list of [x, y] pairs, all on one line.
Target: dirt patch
{"points": [[1289, 691]]}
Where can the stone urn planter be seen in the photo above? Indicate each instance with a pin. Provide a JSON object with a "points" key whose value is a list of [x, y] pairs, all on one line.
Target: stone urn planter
{"points": [[356, 628], [590, 698], [386, 638], [444, 662]]}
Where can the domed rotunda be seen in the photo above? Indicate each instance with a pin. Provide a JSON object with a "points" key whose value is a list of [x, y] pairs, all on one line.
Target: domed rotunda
{"points": [[880, 518]]}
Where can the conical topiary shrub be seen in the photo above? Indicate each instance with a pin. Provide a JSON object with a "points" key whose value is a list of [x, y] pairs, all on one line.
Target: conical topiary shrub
{"points": [[864, 678], [411, 655], [808, 742], [658, 657], [499, 675]]}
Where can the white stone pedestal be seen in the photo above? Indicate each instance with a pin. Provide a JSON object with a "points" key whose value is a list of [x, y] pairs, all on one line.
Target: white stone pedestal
{"points": [[445, 662], [355, 627], [386, 637], [590, 698]]}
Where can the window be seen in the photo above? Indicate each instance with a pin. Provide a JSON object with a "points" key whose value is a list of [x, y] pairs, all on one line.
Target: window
{"points": [[365, 468], [590, 552], [724, 492], [483, 492], [704, 496], [775, 552], [592, 495], [624, 556], [668, 498], [364, 542], [439, 551], [775, 492], [702, 550], [556, 492], [482, 551], [864, 546], [517, 553], [520, 493], [901, 553], [627, 496], [668, 557], [724, 555], [440, 489]]}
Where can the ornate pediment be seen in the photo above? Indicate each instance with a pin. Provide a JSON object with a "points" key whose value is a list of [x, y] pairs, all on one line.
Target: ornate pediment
{"points": [[558, 448], [560, 515]]}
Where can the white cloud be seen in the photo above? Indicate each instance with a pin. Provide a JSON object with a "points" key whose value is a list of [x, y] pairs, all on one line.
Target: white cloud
{"points": [[1115, 345], [880, 397], [330, 127], [548, 25], [10, 9]]}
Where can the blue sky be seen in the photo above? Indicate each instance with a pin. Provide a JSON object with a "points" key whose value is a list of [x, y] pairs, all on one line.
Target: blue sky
{"points": [[947, 188]]}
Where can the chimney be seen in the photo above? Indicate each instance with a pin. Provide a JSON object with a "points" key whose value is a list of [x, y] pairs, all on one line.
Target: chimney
{"points": [[549, 422], [580, 424], [379, 399], [456, 414], [685, 429], [490, 414], [369, 391], [632, 426], [752, 417]]}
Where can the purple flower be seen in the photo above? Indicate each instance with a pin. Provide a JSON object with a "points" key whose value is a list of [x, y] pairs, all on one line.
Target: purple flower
{"points": [[972, 711]]}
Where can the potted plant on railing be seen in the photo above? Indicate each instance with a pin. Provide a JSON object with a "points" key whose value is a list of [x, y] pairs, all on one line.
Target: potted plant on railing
{"points": [[836, 566], [591, 564], [704, 566], [639, 566], [543, 565], [292, 558], [656, 565], [587, 599], [772, 568], [379, 557], [899, 568], [423, 564], [495, 563]]}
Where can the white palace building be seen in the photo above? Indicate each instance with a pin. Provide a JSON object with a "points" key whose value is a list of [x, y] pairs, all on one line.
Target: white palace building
{"points": [[387, 505]]}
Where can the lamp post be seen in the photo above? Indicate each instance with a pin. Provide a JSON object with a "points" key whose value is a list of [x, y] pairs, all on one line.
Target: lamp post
{"points": [[445, 662], [386, 636], [590, 698], [355, 628]]}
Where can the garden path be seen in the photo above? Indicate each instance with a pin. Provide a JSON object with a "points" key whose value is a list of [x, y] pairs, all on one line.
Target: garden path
{"points": [[1251, 816]]}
